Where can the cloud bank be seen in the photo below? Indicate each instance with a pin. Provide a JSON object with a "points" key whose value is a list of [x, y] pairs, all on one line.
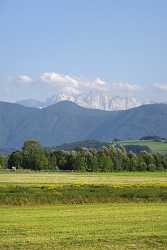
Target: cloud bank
{"points": [[53, 82], [125, 86], [160, 86], [76, 84]]}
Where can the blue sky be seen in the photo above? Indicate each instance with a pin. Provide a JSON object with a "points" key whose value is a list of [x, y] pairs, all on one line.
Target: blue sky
{"points": [[115, 41]]}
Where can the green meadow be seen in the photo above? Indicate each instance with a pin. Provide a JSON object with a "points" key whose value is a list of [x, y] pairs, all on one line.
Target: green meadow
{"points": [[160, 147], [83, 210], [93, 226], [30, 178]]}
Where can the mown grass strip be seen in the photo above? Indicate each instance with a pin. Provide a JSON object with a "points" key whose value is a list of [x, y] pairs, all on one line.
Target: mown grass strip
{"points": [[118, 226], [84, 178]]}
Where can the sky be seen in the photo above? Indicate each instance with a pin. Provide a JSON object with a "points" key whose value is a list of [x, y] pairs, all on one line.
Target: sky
{"points": [[79, 45]]}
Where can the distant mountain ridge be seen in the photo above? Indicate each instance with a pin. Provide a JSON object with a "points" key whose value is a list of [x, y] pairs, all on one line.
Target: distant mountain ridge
{"points": [[31, 103], [66, 122], [96, 100], [93, 99]]}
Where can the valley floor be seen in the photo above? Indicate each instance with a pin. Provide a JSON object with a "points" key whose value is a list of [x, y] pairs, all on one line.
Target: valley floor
{"points": [[97, 226], [110, 178], [78, 211]]}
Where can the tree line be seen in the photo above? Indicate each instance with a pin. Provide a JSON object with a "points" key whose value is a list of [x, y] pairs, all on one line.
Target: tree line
{"points": [[110, 158]]}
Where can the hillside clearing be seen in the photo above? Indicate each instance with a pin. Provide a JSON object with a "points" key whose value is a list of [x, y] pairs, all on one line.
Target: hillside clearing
{"points": [[160, 147]]}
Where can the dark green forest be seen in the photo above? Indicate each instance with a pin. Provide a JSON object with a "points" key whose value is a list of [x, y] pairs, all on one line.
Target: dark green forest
{"points": [[109, 158]]}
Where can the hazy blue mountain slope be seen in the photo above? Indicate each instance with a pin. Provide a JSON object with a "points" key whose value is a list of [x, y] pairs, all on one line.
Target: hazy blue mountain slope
{"points": [[66, 122], [11, 117], [134, 123], [31, 103], [60, 123]]}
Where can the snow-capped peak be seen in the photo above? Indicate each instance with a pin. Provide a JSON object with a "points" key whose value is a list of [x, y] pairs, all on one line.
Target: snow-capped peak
{"points": [[96, 100]]}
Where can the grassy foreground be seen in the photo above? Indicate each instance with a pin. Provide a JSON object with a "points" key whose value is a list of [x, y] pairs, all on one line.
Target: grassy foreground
{"points": [[79, 211], [98, 226]]}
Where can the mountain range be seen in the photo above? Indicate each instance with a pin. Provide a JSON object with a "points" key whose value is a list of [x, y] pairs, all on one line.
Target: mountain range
{"points": [[66, 122], [93, 99]]}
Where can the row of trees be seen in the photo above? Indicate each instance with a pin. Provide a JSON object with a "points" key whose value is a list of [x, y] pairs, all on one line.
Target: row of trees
{"points": [[33, 156]]}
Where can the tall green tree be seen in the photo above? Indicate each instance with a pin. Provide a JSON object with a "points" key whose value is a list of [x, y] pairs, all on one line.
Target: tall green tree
{"points": [[15, 160], [3, 161], [34, 156]]}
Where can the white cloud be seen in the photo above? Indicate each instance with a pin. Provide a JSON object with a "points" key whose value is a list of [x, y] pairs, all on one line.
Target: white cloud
{"points": [[75, 84], [24, 78], [160, 86], [59, 79], [68, 84], [99, 82], [125, 86]]}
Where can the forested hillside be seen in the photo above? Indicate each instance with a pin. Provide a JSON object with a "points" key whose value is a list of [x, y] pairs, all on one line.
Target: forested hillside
{"points": [[67, 122]]}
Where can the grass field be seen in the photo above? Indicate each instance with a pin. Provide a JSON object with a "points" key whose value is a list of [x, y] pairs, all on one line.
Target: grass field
{"points": [[84, 178], [160, 147], [83, 211], [99, 226]]}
